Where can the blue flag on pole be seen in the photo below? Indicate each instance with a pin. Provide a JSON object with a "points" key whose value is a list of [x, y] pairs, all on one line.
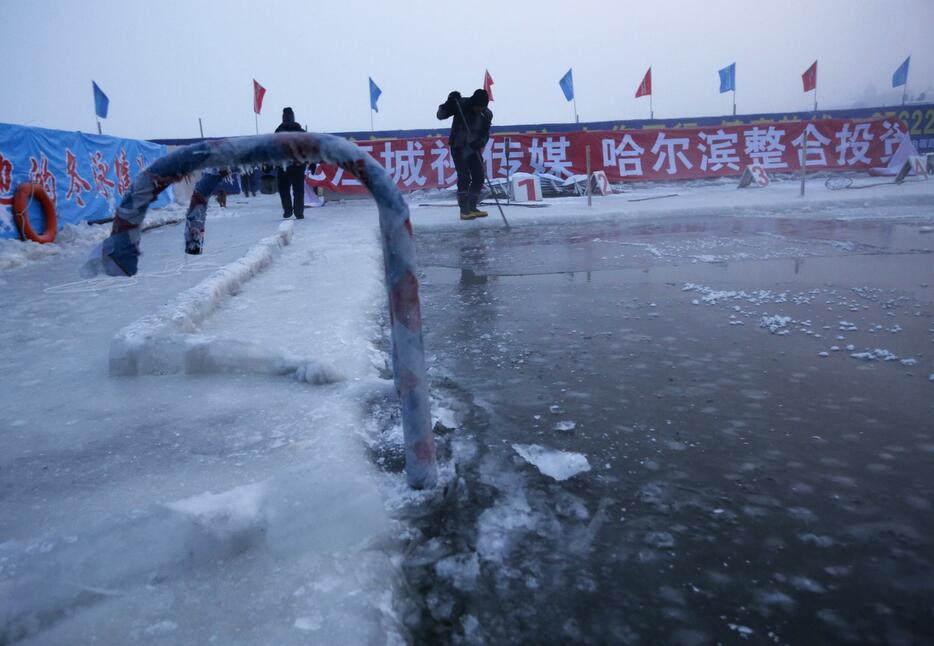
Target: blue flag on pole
{"points": [[374, 95], [900, 77], [728, 78], [101, 102], [567, 85]]}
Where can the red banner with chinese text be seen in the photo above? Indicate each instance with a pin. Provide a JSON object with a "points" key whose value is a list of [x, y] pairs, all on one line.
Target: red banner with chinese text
{"points": [[646, 154]]}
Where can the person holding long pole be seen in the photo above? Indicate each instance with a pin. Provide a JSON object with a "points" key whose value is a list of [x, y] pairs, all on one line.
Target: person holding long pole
{"points": [[470, 132]]}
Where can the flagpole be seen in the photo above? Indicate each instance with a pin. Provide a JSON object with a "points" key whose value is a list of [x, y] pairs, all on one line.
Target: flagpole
{"points": [[200, 128], [99, 127], [371, 121], [815, 97], [734, 98], [651, 110], [574, 101], [256, 121]]}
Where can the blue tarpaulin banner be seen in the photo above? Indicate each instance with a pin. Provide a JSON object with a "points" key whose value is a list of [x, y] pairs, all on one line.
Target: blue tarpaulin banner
{"points": [[84, 175]]}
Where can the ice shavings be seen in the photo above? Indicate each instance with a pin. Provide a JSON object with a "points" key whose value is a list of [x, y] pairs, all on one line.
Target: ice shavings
{"points": [[776, 324], [712, 296], [744, 631], [879, 354], [559, 465]]}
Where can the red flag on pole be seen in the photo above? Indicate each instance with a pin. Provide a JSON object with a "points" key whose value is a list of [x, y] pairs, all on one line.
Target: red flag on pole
{"points": [[258, 93], [488, 84], [645, 87], [809, 78]]}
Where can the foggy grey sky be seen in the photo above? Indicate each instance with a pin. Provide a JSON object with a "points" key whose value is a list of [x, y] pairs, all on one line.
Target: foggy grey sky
{"points": [[164, 64]]}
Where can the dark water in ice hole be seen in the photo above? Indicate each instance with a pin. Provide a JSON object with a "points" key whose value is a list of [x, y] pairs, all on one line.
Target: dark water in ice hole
{"points": [[742, 486]]}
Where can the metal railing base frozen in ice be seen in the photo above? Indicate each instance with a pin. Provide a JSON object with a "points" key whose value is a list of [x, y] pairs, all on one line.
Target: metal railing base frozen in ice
{"points": [[120, 252]]}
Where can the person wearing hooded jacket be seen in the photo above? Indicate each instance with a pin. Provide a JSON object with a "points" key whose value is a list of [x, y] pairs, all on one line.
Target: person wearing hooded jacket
{"points": [[470, 132], [292, 178]]}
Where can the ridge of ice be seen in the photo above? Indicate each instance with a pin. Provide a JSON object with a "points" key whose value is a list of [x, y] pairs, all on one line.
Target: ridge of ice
{"points": [[146, 344]]}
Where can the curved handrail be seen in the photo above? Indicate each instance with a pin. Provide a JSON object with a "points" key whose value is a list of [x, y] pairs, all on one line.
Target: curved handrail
{"points": [[120, 253]]}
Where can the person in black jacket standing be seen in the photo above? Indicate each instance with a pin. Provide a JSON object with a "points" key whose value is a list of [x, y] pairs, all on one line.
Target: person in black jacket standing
{"points": [[470, 131], [293, 177]]}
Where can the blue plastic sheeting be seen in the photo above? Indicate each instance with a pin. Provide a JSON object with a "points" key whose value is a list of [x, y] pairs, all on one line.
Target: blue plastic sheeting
{"points": [[86, 176]]}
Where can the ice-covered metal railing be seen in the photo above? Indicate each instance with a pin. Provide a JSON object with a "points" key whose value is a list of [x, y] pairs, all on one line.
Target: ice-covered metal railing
{"points": [[119, 254], [198, 212]]}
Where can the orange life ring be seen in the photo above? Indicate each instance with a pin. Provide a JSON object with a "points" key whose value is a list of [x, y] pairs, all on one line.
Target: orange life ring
{"points": [[25, 192]]}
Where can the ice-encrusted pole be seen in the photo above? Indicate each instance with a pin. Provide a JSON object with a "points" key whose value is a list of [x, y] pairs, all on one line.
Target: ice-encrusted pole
{"points": [[119, 254]]}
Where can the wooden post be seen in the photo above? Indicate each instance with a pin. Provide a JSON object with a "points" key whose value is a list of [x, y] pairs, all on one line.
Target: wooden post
{"points": [[801, 161], [589, 177], [506, 143]]}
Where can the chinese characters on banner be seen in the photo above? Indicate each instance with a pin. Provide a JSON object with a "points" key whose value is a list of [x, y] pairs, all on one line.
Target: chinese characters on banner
{"points": [[85, 176], [648, 154]]}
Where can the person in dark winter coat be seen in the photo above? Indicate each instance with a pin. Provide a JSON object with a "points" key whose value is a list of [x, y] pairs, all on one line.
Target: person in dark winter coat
{"points": [[248, 182], [470, 132], [292, 179]]}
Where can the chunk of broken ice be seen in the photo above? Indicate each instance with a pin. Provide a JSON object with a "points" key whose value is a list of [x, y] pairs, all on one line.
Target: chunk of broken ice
{"points": [[559, 465]]}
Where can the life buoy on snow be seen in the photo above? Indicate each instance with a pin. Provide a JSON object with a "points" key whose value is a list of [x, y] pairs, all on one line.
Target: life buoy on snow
{"points": [[25, 193]]}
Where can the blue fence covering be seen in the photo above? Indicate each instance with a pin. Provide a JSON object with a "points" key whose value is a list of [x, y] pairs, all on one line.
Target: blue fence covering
{"points": [[919, 117], [85, 175]]}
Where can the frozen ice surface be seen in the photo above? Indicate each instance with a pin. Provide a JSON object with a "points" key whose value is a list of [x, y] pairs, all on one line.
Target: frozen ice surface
{"points": [[725, 454], [559, 465], [461, 569], [75, 238], [229, 497], [133, 504]]}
